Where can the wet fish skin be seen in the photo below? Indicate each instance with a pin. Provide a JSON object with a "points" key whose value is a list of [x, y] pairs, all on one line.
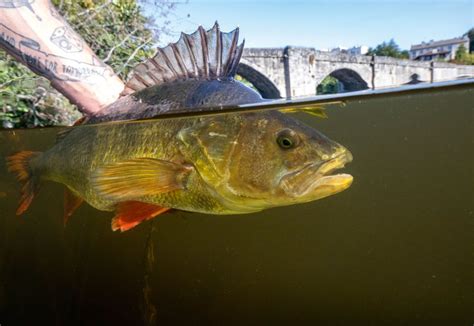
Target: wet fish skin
{"points": [[178, 95], [236, 162], [227, 164]]}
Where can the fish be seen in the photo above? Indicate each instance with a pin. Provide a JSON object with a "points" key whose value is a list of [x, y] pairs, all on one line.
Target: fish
{"points": [[227, 164]]}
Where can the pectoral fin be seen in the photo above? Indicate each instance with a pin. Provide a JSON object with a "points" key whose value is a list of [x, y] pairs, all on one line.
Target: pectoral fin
{"points": [[131, 213], [133, 179]]}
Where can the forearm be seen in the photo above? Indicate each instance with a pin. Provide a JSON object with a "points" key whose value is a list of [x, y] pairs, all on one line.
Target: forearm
{"points": [[36, 35]]}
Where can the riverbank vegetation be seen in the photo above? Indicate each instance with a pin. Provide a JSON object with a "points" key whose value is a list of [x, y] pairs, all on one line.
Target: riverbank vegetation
{"points": [[389, 49], [117, 31]]}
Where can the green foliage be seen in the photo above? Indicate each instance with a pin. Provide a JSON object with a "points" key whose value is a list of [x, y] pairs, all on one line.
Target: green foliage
{"points": [[462, 57], [470, 34], [329, 85], [461, 53], [404, 54], [117, 31], [245, 82], [27, 100], [389, 49]]}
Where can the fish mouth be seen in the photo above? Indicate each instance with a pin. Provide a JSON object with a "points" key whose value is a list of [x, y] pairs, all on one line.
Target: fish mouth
{"points": [[316, 180]]}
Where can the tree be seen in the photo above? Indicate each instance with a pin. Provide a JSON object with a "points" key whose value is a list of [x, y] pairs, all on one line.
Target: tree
{"points": [[389, 49], [461, 53], [470, 34], [119, 33], [462, 57], [329, 85]]}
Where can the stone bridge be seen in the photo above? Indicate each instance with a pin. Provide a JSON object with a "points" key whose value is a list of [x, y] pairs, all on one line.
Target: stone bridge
{"points": [[296, 71]]}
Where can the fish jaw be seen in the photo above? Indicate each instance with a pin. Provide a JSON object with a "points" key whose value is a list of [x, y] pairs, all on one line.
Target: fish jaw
{"points": [[314, 181]]}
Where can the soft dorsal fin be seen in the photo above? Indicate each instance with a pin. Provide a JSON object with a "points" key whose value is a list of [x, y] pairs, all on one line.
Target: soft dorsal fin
{"points": [[205, 55]]}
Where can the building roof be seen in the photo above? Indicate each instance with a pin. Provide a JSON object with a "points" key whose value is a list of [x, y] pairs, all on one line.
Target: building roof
{"points": [[433, 44]]}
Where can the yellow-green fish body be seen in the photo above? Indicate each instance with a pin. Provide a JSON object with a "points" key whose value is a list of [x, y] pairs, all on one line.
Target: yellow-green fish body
{"points": [[223, 162], [227, 164]]}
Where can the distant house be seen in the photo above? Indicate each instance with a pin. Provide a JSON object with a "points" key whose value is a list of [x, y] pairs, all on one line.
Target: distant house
{"points": [[437, 50], [355, 50], [339, 49], [358, 50]]}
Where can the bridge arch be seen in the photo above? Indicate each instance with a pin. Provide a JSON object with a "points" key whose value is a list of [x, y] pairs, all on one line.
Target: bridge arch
{"points": [[349, 80], [264, 85]]}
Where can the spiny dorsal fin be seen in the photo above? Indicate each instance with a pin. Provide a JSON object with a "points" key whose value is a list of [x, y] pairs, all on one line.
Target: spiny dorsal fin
{"points": [[206, 55]]}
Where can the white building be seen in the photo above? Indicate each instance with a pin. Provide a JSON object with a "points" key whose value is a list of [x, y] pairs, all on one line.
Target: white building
{"points": [[339, 49], [434, 50], [358, 50], [355, 50]]}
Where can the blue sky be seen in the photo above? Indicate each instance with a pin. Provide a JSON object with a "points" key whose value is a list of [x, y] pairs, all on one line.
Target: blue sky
{"points": [[328, 23]]}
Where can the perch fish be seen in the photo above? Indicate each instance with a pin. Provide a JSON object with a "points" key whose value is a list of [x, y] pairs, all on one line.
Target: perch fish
{"points": [[226, 164]]}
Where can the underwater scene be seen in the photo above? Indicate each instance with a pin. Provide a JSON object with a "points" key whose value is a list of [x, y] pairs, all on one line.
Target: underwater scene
{"points": [[394, 247]]}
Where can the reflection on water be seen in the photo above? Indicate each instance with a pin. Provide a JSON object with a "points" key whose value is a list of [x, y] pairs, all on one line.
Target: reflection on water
{"points": [[395, 248]]}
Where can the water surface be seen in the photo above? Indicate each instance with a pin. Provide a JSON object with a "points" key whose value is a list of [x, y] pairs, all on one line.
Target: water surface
{"points": [[395, 248]]}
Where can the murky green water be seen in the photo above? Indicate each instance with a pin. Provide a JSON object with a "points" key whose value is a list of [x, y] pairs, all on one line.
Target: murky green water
{"points": [[396, 248]]}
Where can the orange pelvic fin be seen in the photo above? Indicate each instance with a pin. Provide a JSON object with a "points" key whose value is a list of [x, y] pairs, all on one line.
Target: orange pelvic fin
{"points": [[19, 165], [71, 203], [131, 213]]}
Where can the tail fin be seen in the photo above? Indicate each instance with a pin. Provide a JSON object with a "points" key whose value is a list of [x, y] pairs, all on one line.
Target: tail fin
{"points": [[19, 164]]}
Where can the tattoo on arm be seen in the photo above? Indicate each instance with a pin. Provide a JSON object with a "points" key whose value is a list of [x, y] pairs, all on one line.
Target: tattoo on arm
{"points": [[14, 4], [49, 65], [65, 38]]}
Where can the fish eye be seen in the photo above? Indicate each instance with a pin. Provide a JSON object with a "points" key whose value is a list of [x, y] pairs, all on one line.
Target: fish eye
{"points": [[285, 142], [287, 139]]}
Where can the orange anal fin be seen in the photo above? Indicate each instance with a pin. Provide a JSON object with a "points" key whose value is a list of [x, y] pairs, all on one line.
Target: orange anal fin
{"points": [[71, 203], [131, 213]]}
